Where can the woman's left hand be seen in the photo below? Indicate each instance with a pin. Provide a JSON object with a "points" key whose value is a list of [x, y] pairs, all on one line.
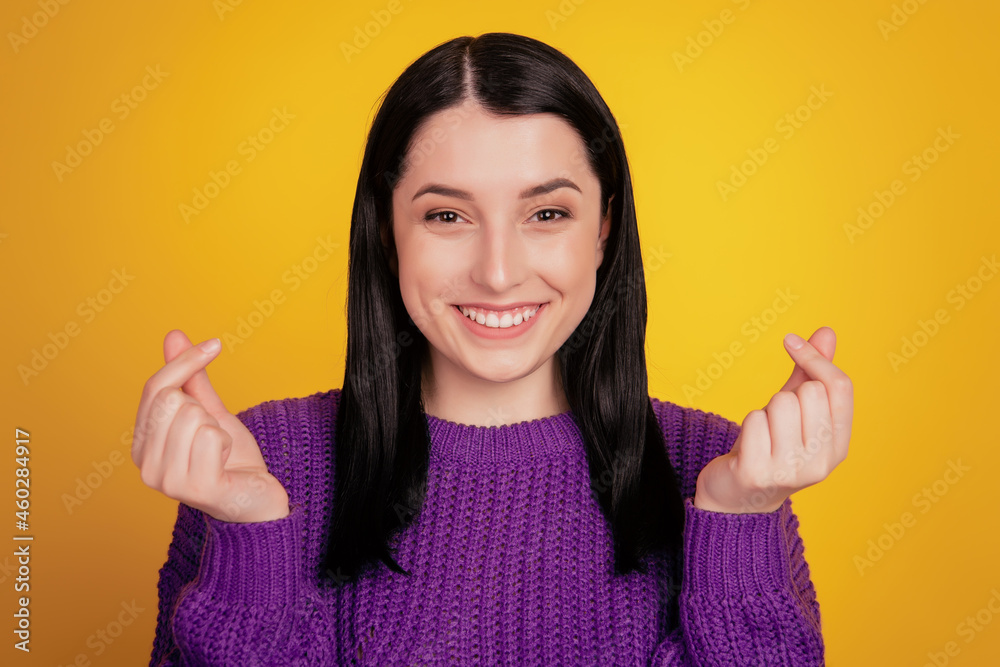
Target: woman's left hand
{"points": [[797, 440]]}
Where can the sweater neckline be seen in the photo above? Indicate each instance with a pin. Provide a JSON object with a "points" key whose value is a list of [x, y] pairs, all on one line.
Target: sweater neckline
{"points": [[531, 441]]}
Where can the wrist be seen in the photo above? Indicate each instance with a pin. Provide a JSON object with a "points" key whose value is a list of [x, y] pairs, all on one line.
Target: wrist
{"points": [[759, 504], [268, 504]]}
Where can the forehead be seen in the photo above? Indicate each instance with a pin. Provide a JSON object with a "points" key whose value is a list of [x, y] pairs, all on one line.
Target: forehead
{"points": [[466, 143]]}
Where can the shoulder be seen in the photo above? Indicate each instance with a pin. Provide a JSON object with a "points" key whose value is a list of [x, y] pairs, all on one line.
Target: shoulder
{"points": [[693, 438], [296, 438]]}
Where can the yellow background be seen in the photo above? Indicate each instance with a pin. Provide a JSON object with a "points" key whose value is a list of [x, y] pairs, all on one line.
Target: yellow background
{"points": [[712, 263]]}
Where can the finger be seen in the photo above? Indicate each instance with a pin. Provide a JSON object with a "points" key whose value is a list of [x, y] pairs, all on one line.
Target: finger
{"points": [[817, 457], [176, 457], [174, 374], [823, 339], [209, 452], [198, 385], [207, 464], [755, 447], [151, 434], [154, 411], [839, 389], [784, 420]]}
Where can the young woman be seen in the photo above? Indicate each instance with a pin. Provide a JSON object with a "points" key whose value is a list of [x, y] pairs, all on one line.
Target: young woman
{"points": [[492, 484]]}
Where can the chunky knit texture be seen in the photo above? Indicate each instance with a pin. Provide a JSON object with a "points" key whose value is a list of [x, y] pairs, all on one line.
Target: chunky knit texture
{"points": [[511, 563]]}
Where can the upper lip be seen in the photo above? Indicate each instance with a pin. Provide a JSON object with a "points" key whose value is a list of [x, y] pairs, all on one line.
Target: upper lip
{"points": [[496, 306]]}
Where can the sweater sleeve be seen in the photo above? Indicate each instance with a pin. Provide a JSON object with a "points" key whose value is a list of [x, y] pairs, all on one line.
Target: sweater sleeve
{"points": [[252, 603], [746, 596], [181, 567], [239, 593]]}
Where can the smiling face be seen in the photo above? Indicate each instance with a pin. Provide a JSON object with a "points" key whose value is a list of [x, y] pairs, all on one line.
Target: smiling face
{"points": [[497, 218]]}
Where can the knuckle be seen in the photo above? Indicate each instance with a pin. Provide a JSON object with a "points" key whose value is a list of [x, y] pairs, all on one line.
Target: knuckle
{"points": [[175, 485], [819, 473], [147, 425], [812, 388], [167, 397], [844, 385], [190, 410], [148, 476], [170, 486], [784, 399], [787, 396], [210, 435]]}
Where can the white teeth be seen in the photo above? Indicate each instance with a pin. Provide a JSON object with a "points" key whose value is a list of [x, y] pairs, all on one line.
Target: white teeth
{"points": [[490, 319]]}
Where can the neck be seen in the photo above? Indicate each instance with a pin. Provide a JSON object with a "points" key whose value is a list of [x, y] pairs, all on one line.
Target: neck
{"points": [[451, 393]]}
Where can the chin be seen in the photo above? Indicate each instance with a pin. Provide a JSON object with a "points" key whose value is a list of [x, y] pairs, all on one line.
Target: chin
{"points": [[485, 369]]}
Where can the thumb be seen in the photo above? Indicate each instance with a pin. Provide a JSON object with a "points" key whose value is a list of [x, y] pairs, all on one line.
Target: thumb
{"points": [[198, 386], [825, 341]]}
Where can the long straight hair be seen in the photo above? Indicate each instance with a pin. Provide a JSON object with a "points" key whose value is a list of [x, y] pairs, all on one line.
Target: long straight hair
{"points": [[382, 438]]}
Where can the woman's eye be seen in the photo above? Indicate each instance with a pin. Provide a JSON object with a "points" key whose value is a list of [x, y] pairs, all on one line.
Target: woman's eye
{"points": [[449, 217], [437, 216], [549, 214]]}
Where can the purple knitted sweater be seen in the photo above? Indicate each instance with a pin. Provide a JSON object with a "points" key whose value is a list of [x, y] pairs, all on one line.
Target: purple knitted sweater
{"points": [[511, 563]]}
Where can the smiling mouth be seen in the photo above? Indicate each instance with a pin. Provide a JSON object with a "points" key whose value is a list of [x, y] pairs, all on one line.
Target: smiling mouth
{"points": [[502, 319]]}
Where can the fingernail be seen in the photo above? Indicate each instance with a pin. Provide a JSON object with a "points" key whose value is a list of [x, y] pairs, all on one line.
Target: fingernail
{"points": [[793, 341], [211, 346]]}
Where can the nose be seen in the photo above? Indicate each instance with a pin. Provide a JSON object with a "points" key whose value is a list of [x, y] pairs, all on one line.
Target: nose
{"points": [[500, 256]]}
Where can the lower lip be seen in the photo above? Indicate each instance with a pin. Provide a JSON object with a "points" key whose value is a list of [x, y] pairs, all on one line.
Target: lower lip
{"points": [[499, 334]]}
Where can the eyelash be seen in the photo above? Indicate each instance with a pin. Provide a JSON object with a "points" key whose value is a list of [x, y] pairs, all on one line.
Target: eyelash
{"points": [[565, 215]]}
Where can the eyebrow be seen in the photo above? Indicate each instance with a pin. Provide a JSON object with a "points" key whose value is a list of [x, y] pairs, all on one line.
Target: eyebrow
{"points": [[527, 193]]}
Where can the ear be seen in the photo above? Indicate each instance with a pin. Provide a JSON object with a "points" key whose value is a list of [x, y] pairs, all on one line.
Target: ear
{"points": [[605, 232]]}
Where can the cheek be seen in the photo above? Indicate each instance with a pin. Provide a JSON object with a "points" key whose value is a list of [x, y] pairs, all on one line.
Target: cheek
{"points": [[578, 276], [569, 263], [426, 277]]}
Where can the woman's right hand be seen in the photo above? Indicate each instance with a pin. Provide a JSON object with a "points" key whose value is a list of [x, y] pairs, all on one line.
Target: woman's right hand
{"points": [[188, 446]]}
